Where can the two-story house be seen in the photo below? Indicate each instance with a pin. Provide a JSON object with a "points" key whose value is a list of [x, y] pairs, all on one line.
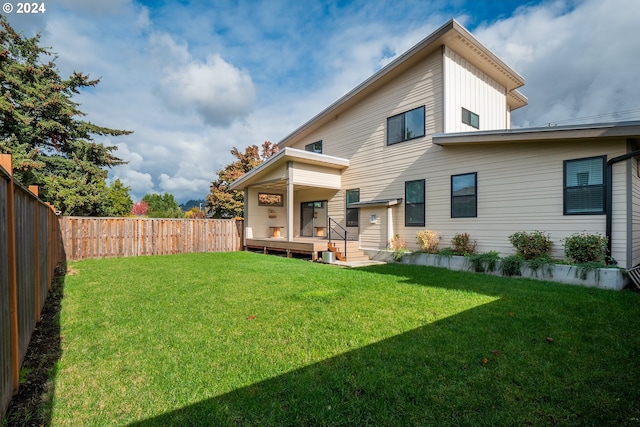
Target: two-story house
{"points": [[426, 143]]}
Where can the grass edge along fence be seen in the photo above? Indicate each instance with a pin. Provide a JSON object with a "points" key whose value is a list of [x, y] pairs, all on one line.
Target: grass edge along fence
{"points": [[30, 251], [88, 237]]}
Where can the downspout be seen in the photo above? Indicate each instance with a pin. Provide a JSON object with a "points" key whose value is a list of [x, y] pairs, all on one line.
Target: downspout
{"points": [[609, 193]]}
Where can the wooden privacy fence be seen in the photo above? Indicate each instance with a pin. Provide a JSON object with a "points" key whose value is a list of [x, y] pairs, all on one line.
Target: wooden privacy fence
{"points": [[121, 237], [30, 251]]}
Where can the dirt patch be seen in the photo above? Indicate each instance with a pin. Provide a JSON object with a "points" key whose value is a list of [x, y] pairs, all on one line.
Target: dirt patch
{"points": [[32, 405]]}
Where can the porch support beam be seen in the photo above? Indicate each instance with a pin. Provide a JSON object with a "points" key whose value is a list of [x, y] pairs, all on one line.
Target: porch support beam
{"points": [[389, 225], [289, 201]]}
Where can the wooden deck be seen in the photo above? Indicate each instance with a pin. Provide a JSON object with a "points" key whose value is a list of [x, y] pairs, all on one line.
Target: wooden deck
{"points": [[300, 245]]}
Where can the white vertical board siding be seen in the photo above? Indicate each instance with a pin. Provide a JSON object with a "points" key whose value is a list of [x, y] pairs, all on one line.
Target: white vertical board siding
{"points": [[635, 213], [620, 213], [468, 87]]}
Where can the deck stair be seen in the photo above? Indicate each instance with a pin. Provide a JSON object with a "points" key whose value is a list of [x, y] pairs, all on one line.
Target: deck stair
{"points": [[353, 253]]}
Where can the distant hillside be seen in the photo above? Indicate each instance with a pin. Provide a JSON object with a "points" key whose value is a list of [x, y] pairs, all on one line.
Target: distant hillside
{"points": [[191, 203]]}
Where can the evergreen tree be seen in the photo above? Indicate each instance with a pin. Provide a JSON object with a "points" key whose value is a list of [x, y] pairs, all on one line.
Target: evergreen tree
{"points": [[162, 206], [40, 127], [119, 200]]}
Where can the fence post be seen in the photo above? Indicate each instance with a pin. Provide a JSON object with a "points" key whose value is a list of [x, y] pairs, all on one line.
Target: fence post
{"points": [[34, 190], [5, 160]]}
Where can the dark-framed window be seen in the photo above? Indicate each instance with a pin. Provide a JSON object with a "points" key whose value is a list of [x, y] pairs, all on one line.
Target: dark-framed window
{"points": [[584, 186], [406, 126], [353, 214], [414, 206], [314, 147], [464, 195], [470, 118]]}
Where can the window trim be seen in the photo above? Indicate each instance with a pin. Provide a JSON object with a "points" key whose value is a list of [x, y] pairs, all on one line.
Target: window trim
{"points": [[470, 115], [602, 185], [403, 115], [306, 147], [348, 209], [407, 204], [475, 195]]}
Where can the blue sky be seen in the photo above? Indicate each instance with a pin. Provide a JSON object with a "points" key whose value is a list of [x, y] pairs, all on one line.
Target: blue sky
{"points": [[193, 79]]}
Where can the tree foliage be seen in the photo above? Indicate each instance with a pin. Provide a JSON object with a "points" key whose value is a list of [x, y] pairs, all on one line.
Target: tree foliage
{"points": [[140, 208], [162, 206], [40, 127], [118, 199], [224, 203]]}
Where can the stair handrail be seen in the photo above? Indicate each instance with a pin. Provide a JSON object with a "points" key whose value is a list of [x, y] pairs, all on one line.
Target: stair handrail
{"points": [[343, 237]]}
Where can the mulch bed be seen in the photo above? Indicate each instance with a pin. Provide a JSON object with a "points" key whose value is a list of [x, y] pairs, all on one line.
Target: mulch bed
{"points": [[31, 406]]}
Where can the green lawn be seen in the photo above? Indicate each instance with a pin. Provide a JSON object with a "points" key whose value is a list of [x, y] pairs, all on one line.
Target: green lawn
{"points": [[247, 339]]}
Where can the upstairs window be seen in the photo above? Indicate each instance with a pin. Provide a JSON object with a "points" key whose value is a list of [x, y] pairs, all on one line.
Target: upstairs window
{"points": [[405, 126], [414, 206], [464, 195], [314, 147], [353, 196], [471, 119], [584, 186]]}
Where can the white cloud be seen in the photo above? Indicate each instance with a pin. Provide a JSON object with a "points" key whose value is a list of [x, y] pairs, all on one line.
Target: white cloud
{"points": [[577, 59], [214, 89]]}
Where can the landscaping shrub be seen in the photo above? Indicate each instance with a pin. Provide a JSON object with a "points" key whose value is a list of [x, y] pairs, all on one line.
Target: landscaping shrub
{"points": [[512, 265], [399, 247], [530, 245], [485, 262], [462, 244], [428, 241], [582, 248]]}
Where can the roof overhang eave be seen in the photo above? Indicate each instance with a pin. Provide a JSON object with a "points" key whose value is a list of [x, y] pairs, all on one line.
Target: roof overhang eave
{"points": [[593, 130], [285, 155]]}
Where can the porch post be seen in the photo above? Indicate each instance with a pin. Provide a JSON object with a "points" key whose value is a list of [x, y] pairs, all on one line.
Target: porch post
{"points": [[389, 226], [289, 201]]}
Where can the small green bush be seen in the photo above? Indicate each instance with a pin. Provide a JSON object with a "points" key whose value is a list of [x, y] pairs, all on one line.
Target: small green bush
{"points": [[485, 262], [530, 245], [583, 248], [447, 251], [462, 244], [428, 241], [512, 265]]}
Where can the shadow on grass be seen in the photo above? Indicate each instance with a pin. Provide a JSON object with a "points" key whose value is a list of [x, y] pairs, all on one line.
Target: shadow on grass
{"points": [[32, 405], [484, 366]]}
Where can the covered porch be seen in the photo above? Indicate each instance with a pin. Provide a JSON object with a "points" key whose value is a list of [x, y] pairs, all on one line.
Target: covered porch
{"points": [[287, 201]]}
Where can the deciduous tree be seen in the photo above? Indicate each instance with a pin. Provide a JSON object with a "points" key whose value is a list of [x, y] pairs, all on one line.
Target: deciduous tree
{"points": [[224, 203]]}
